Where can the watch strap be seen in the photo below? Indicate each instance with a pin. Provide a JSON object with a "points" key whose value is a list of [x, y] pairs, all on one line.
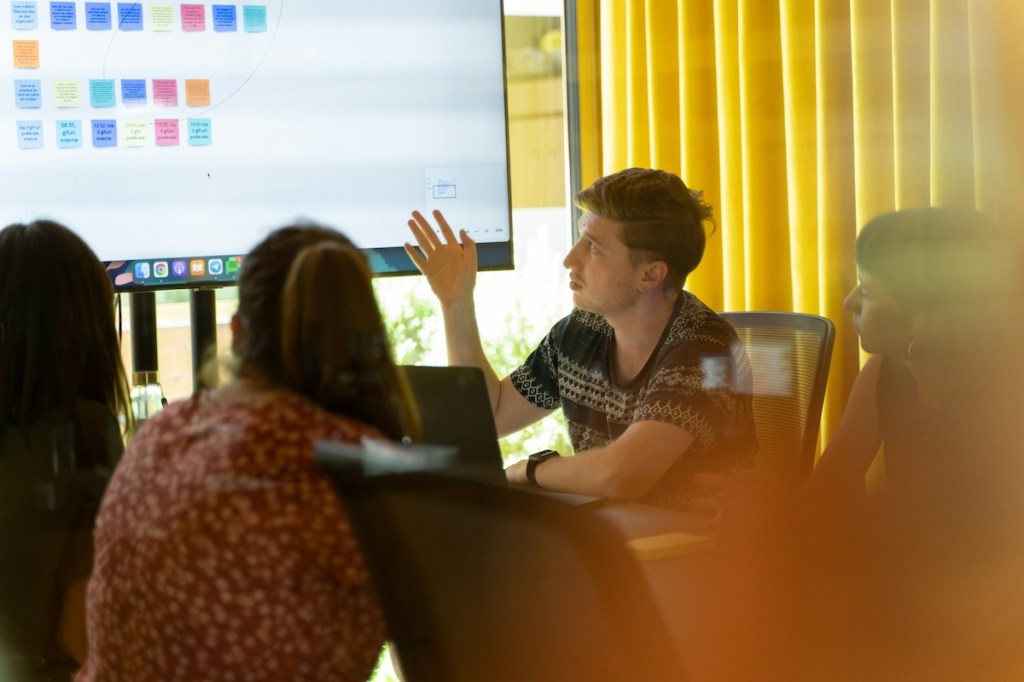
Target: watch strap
{"points": [[534, 461]]}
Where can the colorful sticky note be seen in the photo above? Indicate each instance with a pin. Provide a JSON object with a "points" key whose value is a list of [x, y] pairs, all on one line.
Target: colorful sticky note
{"points": [[225, 18], [69, 134], [24, 15], [161, 17], [26, 54], [136, 133], [165, 92], [197, 92], [104, 133], [28, 94], [66, 94], [63, 16], [193, 17], [254, 18], [30, 134], [129, 16], [166, 130], [101, 93], [133, 92], [97, 16], [200, 132]]}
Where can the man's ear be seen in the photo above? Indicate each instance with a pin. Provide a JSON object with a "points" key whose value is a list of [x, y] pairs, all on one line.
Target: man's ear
{"points": [[654, 274]]}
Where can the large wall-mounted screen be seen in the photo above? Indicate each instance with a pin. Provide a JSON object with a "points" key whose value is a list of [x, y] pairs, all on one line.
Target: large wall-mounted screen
{"points": [[172, 136]]}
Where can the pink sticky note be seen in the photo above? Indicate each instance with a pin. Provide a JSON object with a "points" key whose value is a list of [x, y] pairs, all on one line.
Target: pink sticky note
{"points": [[166, 130], [193, 17], [165, 92]]}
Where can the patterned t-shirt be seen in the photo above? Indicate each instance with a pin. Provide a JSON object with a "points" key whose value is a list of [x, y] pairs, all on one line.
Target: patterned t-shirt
{"points": [[698, 378], [222, 552]]}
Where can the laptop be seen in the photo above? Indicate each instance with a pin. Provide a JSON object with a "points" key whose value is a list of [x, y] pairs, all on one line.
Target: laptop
{"points": [[455, 410]]}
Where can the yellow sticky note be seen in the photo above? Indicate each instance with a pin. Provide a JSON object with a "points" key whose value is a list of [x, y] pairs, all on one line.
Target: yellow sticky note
{"points": [[197, 92], [161, 17], [26, 54], [66, 94], [136, 133]]}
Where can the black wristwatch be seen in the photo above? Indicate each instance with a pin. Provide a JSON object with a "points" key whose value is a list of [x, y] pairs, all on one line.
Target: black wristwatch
{"points": [[534, 460]]}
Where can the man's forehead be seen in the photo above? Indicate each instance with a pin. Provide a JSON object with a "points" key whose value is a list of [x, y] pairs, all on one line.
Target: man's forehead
{"points": [[599, 226]]}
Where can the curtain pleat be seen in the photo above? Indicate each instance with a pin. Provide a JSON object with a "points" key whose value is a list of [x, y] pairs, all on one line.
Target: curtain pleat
{"points": [[730, 152], [700, 163], [801, 120], [799, 91], [837, 220]]}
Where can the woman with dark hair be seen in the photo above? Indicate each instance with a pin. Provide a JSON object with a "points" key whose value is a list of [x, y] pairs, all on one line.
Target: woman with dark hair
{"points": [[62, 393], [917, 578], [935, 309], [222, 551]]}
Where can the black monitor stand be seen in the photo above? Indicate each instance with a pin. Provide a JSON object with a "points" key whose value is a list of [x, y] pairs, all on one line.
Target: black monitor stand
{"points": [[204, 332], [144, 356], [145, 365]]}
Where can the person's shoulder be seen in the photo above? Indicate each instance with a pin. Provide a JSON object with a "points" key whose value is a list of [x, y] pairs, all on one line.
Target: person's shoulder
{"points": [[695, 320], [584, 320], [578, 327], [305, 416]]}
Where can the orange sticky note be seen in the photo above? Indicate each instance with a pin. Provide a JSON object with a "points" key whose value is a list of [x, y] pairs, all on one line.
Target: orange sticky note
{"points": [[26, 54], [197, 92]]}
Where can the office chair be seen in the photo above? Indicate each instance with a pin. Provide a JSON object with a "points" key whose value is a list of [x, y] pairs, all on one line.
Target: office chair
{"points": [[480, 581], [790, 355]]}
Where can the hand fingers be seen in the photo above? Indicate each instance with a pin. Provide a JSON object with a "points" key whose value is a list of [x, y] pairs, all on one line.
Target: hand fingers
{"points": [[414, 254], [468, 247], [446, 230], [424, 233]]}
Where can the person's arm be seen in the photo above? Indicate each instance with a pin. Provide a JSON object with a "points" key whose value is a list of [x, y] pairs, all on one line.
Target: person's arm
{"points": [[514, 412], [622, 470], [853, 447], [450, 269]]}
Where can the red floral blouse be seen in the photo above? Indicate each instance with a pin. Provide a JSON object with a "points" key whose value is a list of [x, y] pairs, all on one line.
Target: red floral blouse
{"points": [[223, 553]]}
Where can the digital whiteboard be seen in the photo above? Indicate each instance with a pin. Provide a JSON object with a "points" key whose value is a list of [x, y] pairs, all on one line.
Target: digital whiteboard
{"points": [[173, 136]]}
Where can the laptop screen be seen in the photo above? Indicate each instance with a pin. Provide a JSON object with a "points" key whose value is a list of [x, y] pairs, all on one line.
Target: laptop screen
{"points": [[455, 410]]}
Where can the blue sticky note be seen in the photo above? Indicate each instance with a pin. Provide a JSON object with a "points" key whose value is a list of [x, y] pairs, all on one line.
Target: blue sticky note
{"points": [[133, 92], [101, 93], [104, 133], [200, 132], [69, 134], [30, 134], [225, 18], [129, 16], [254, 18], [97, 16], [63, 16], [24, 16], [28, 94]]}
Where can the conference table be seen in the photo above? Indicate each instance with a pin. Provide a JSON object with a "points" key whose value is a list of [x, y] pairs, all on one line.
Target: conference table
{"points": [[716, 604]]}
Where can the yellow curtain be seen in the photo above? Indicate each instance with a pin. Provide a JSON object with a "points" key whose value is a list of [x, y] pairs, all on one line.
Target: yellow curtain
{"points": [[800, 120]]}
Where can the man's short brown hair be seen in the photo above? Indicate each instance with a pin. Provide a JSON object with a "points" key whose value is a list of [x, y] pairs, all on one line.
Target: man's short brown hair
{"points": [[662, 218]]}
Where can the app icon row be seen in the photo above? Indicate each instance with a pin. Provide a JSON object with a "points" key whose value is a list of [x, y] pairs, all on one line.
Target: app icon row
{"points": [[182, 268]]}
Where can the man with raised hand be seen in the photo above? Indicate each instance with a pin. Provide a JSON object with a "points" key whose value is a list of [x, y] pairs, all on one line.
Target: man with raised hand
{"points": [[653, 385]]}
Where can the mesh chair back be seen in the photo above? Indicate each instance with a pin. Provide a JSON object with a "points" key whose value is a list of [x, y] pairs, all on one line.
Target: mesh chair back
{"points": [[485, 582], [790, 355]]}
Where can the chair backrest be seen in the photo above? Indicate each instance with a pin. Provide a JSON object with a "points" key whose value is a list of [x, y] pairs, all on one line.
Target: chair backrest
{"points": [[479, 581], [790, 355]]}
